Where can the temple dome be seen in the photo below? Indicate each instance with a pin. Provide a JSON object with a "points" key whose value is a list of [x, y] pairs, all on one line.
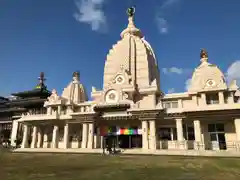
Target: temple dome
{"points": [[132, 56], [207, 77], [75, 91]]}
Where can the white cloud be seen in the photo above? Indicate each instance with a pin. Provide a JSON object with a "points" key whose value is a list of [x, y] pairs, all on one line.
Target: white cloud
{"points": [[175, 70], [187, 84], [162, 24], [169, 3], [91, 12], [172, 90], [233, 72]]}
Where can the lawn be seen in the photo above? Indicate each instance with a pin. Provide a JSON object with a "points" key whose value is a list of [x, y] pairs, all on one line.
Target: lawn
{"points": [[97, 167]]}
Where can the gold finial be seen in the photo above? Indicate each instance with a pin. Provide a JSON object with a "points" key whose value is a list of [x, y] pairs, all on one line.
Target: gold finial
{"points": [[131, 11], [203, 53]]}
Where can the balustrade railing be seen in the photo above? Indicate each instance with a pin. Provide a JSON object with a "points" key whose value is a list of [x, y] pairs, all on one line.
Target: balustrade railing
{"points": [[193, 145]]}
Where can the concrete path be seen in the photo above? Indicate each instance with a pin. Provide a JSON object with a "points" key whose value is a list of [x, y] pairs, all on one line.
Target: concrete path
{"points": [[135, 152]]}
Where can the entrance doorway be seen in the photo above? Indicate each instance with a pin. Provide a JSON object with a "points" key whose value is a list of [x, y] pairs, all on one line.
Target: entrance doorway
{"points": [[217, 136], [129, 141]]}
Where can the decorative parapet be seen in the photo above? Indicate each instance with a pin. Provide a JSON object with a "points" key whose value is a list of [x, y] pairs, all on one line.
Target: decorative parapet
{"points": [[54, 99]]}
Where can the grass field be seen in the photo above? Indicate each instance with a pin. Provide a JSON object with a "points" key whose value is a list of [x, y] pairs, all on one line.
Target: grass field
{"points": [[96, 167]]}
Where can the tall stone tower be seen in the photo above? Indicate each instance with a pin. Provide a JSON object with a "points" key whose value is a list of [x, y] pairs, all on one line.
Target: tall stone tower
{"points": [[131, 70]]}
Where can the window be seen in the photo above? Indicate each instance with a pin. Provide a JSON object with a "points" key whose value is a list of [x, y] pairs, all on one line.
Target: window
{"points": [[236, 98], [169, 134], [216, 127], [226, 96], [188, 132], [165, 134], [170, 104], [167, 105], [220, 127], [212, 98], [174, 104]]}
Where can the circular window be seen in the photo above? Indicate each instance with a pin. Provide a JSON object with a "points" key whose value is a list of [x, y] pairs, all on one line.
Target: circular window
{"points": [[119, 79], [210, 83], [111, 96]]}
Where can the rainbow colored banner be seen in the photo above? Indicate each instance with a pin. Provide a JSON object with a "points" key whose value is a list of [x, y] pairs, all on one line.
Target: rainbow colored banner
{"points": [[118, 131]]}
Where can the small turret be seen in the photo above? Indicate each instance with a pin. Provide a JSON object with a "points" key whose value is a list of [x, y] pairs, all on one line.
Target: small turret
{"points": [[75, 91]]}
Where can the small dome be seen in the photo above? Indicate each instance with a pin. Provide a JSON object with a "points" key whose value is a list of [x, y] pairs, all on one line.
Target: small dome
{"points": [[207, 77], [132, 57], [75, 91]]}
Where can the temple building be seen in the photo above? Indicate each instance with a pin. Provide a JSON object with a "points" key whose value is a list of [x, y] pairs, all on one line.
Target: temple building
{"points": [[27, 103], [132, 108], [5, 119]]}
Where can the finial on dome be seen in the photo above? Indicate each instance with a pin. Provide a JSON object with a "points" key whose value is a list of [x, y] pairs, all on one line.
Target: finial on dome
{"points": [[131, 11], [204, 55], [131, 28], [76, 76]]}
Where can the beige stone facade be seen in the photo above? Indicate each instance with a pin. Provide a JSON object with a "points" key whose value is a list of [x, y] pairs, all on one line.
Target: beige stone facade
{"points": [[206, 117]]}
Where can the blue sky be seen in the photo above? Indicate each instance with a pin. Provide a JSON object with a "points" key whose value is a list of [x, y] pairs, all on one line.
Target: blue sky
{"points": [[62, 36]]}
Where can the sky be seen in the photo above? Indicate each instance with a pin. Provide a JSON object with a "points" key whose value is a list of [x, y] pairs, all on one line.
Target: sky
{"points": [[59, 37]]}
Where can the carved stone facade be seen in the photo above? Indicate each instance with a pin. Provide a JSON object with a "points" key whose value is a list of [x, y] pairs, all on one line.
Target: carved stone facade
{"points": [[135, 111]]}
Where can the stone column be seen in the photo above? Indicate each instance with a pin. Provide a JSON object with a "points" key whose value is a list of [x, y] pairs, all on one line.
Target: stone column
{"points": [[221, 97], [97, 139], [49, 110], [45, 140], [231, 98], [59, 110], [203, 99], [180, 138], [237, 129], [66, 136], [39, 138], [55, 137], [84, 135], [180, 103], [14, 132], [34, 137], [145, 144], [152, 125], [195, 99], [198, 143], [25, 136], [90, 135]]}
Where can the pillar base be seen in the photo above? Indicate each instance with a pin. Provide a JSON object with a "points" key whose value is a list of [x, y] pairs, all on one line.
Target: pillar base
{"points": [[182, 145], [199, 146], [46, 145], [24, 146]]}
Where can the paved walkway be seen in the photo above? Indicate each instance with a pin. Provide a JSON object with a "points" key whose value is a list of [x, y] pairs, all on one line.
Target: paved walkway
{"points": [[137, 152]]}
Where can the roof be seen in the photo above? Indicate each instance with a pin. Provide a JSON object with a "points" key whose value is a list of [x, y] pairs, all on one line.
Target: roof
{"points": [[3, 99], [33, 93], [28, 101]]}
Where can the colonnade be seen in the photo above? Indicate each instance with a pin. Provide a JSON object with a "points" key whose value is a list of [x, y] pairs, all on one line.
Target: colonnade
{"points": [[39, 137], [149, 139]]}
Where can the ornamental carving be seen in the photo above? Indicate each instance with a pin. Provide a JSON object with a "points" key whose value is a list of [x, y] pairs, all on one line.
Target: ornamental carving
{"points": [[54, 96]]}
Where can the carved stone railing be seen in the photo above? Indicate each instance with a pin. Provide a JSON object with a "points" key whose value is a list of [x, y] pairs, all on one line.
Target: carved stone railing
{"points": [[83, 108]]}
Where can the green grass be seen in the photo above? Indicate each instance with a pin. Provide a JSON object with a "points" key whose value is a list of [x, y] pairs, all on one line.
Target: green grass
{"points": [[96, 167]]}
